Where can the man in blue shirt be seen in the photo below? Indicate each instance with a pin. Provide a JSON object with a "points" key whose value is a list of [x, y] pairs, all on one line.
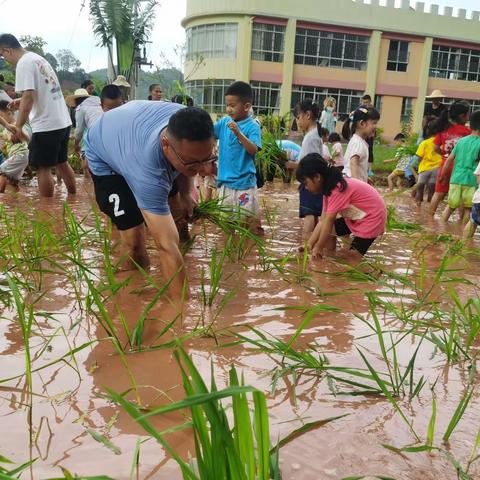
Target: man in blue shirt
{"points": [[134, 153]]}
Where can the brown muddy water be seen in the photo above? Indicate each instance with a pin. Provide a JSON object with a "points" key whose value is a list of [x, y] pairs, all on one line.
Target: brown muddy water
{"points": [[68, 397]]}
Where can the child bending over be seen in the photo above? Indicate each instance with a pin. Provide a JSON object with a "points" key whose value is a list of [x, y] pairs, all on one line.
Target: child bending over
{"points": [[402, 162], [351, 207], [11, 170]]}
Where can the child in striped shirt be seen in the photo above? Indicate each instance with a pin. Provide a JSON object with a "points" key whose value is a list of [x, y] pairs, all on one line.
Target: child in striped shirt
{"points": [[11, 169]]}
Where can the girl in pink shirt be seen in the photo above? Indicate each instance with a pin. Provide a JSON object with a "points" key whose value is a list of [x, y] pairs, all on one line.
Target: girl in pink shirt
{"points": [[359, 207]]}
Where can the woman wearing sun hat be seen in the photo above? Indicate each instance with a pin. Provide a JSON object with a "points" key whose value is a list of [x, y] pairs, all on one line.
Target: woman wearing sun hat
{"points": [[436, 108], [87, 110]]}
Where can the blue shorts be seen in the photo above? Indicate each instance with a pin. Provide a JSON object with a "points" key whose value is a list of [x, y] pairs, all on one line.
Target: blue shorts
{"points": [[475, 214], [310, 203]]}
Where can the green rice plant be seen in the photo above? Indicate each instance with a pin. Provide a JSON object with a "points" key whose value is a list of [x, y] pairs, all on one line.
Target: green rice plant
{"points": [[226, 217], [271, 159], [234, 449], [237, 451], [210, 291], [8, 473], [394, 223], [458, 413]]}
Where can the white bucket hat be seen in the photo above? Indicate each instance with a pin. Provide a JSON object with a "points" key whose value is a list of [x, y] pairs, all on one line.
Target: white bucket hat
{"points": [[78, 93], [121, 81], [435, 94]]}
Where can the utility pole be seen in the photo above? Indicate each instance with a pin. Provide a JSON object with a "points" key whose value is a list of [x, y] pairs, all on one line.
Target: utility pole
{"points": [[138, 61]]}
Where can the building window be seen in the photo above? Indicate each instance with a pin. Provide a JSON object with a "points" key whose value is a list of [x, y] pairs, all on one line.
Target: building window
{"points": [[217, 40], [474, 104], [347, 100], [268, 42], [455, 63], [329, 49], [398, 56], [378, 103], [266, 97], [407, 107], [209, 94]]}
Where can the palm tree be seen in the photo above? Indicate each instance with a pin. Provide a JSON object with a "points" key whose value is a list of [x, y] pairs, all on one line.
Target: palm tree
{"points": [[128, 23]]}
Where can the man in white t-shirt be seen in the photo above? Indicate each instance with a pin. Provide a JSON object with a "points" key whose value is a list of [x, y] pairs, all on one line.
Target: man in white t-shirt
{"points": [[43, 105]]}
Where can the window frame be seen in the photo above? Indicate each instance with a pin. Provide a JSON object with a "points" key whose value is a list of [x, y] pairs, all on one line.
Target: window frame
{"points": [[350, 99], [393, 57], [210, 41], [446, 62], [272, 54], [316, 47], [272, 91]]}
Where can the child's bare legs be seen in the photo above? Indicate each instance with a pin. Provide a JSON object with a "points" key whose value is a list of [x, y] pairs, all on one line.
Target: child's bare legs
{"points": [[469, 230], [309, 223], [431, 191], [436, 199], [447, 213], [3, 183], [390, 180], [465, 218], [399, 182], [419, 193]]}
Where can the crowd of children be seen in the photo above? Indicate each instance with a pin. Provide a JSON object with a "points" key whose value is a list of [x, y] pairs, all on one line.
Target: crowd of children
{"points": [[335, 197]]}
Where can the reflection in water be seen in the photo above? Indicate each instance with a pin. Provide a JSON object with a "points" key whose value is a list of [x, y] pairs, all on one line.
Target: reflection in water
{"points": [[69, 396]]}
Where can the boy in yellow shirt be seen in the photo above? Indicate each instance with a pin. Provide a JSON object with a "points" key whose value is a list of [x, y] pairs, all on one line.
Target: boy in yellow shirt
{"points": [[430, 162]]}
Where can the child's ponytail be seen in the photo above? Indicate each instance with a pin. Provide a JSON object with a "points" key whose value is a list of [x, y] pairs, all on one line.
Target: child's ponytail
{"points": [[359, 115]]}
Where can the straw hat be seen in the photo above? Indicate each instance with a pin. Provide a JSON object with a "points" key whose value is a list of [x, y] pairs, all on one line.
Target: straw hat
{"points": [[79, 93], [436, 94], [121, 81]]}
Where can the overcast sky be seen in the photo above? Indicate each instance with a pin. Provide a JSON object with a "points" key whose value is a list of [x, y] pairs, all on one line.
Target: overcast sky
{"points": [[64, 24]]}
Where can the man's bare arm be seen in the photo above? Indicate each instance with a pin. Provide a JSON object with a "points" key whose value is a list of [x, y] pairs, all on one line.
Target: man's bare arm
{"points": [[165, 235], [26, 105]]}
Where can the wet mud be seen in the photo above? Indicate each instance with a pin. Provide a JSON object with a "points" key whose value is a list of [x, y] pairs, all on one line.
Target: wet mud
{"points": [[69, 400]]}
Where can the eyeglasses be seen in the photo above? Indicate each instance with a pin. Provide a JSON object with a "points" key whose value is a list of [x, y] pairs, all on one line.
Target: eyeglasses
{"points": [[211, 159]]}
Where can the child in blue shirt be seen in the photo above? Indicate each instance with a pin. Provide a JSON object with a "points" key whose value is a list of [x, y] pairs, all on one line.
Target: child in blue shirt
{"points": [[239, 140]]}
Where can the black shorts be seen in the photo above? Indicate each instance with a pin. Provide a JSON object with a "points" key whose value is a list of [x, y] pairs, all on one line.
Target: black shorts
{"points": [[47, 149], [115, 199], [361, 245]]}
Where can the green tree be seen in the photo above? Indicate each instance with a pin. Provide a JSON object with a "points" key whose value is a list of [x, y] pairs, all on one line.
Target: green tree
{"points": [[33, 44], [127, 23], [67, 61], [51, 60]]}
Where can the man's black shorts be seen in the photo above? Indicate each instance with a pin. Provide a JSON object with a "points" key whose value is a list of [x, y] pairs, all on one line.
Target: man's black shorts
{"points": [[47, 149], [116, 200], [361, 245]]}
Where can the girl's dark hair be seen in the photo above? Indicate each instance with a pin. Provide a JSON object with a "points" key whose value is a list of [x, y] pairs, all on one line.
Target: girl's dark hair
{"points": [[475, 120], [430, 129], [308, 105], [325, 132], [313, 164], [451, 114], [360, 114], [334, 137]]}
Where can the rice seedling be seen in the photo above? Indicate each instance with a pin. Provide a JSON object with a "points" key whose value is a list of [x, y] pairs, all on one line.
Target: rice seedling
{"points": [[241, 450], [271, 159], [394, 223], [238, 448], [228, 218]]}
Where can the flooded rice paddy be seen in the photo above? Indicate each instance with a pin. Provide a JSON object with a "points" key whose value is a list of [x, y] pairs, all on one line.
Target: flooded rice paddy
{"points": [[395, 342]]}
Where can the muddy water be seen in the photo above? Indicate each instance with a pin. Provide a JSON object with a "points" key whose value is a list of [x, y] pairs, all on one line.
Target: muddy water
{"points": [[69, 397]]}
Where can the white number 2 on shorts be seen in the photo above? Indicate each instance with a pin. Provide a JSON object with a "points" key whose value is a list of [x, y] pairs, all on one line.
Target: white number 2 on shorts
{"points": [[115, 199]]}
